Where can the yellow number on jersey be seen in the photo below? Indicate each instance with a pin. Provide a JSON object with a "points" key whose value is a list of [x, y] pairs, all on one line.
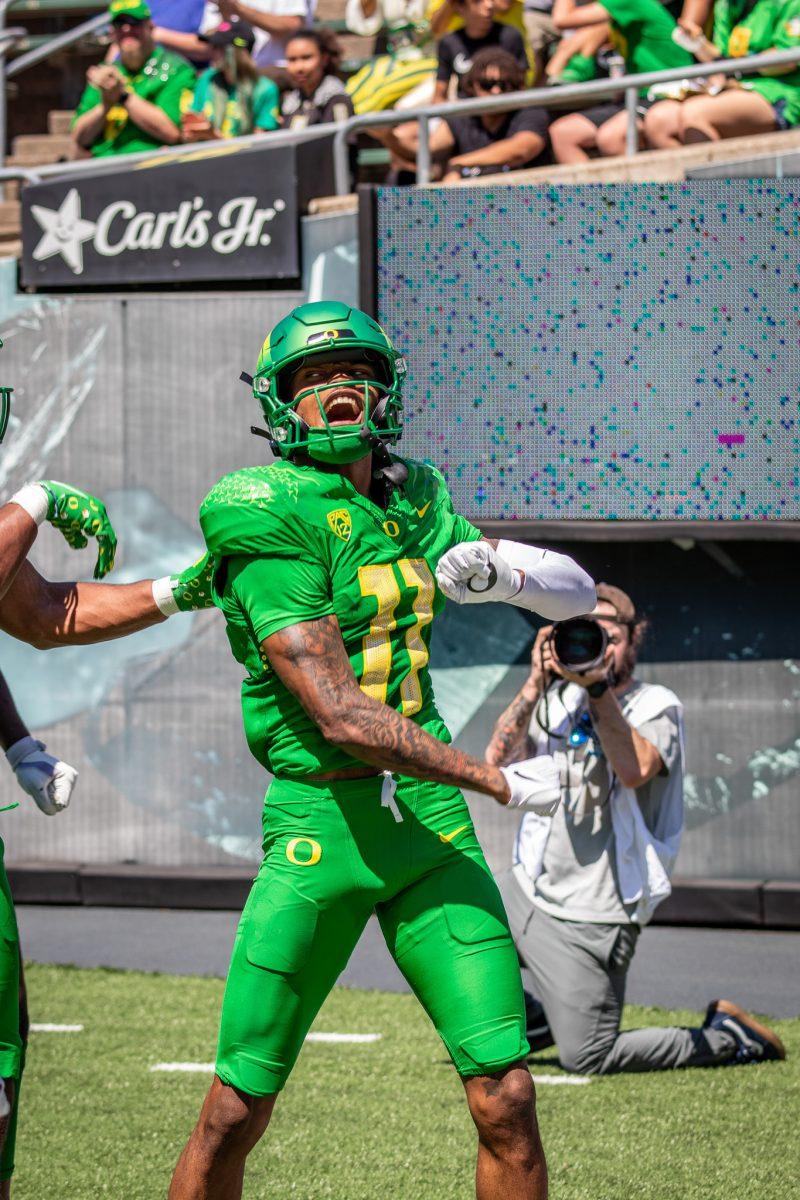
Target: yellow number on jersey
{"points": [[379, 580]]}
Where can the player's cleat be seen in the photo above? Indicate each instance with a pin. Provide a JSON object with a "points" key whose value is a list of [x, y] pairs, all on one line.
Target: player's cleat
{"points": [[754, 1041]]}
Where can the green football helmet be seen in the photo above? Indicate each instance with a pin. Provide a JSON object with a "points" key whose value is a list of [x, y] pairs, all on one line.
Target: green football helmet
{"points": [[330, 330], [5, 406]]}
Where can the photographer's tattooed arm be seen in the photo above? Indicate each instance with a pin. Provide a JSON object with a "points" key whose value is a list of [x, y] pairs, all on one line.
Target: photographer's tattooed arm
{"points": [[510, 741], [311, 661]]}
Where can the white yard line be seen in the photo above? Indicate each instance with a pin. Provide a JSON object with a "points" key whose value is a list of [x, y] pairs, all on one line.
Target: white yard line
{"points": [[46, 1027], [336, 1038], [206, 1068], [344, 1037]]}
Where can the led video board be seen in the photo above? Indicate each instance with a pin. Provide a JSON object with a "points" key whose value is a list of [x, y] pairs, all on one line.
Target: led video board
{"points": [[624, 352]]}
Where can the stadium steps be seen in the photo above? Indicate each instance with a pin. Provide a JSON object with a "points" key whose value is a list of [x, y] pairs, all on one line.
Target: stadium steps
{"points": [[36, 149], [58, 121]]}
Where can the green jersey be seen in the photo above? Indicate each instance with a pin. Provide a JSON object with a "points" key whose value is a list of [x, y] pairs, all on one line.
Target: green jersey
{"points": [[642, 29], [771, 25], [166, 80], [236, 110], [296, 544]]}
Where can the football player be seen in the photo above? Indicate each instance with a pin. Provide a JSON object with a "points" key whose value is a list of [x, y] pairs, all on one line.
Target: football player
{"points": [[332, 564], [51, 614]]}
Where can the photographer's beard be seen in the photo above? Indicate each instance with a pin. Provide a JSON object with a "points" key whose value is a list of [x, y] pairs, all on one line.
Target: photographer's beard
{"points": [[622, 675]]}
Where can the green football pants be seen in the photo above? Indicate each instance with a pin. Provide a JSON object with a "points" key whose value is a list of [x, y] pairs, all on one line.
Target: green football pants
{"points": [[334, 852], [11, 1050]]}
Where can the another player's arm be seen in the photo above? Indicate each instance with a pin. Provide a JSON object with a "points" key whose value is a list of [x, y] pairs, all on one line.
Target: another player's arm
{"points": [[17, 534], [311, 661], [12, 726], [47, 614]]}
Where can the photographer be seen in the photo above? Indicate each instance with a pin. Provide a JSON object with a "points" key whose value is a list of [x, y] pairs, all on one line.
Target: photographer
{"points": [[588, 878]]}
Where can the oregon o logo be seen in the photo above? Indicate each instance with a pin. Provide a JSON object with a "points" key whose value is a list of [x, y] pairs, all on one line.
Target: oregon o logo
{"points": [[392, 528], [307, 846]]}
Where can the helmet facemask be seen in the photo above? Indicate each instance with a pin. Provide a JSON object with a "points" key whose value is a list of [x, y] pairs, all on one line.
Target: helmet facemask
{"points": [[328, 442], [5, 406]]}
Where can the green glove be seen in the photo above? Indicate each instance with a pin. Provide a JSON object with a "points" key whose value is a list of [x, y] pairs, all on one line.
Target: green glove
{"points": [[189, 590], [79, 516], [192, 588]]}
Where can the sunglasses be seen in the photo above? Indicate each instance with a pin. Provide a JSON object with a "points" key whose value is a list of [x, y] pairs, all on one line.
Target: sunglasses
{"points": [[487, 85], [133, 22]]}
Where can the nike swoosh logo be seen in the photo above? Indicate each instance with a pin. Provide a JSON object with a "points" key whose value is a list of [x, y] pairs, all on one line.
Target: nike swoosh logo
{"points": [[421, 511], [448, 837]]}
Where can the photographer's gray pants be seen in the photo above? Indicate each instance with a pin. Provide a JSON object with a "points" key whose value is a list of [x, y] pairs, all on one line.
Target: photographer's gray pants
{"points": [[578, 972]]}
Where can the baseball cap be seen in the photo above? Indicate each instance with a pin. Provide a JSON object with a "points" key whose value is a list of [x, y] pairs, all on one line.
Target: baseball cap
{"points": [[623, 606], [137, 10], [231, 33]]}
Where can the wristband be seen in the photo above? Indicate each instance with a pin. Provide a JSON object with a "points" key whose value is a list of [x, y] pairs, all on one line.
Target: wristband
{"points": [[34, 499], [22, 749], [164, 596], [596, 690]]}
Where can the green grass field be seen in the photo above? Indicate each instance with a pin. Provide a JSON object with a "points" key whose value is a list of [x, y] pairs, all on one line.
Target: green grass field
{"points": [[378, 1121]]}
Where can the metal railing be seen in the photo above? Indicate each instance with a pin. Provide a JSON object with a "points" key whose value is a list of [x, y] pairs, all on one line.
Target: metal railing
{"points": [[550, 97], [598, 89], [58, 42]]}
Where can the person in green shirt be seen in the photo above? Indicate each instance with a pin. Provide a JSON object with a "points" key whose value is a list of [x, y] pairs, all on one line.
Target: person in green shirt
{"points": [[755, 103], [135, 103], [231, 98], [333, 564], [642, 32]]}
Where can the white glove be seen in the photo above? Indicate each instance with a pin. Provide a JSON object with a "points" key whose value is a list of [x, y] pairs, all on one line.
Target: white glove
{"points": [[472, 573], [535, 784], [49, 780]]}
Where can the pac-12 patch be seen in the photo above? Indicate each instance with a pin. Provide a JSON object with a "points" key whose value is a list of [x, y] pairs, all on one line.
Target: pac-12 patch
{"points": [[341, 523]]}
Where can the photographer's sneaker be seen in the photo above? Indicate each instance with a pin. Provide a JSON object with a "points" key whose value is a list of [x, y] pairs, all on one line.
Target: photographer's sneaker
{"points": [[754, 1041]]}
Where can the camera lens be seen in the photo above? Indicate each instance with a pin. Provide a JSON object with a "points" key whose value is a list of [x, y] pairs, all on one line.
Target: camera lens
{"points": [[580, 643]]}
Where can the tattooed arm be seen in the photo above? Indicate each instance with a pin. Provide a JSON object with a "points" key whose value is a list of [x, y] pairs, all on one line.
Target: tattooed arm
{"points": [[510, 742], [310, 659]]}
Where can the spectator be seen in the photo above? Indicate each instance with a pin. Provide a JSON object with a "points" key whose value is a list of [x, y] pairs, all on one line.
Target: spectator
{"points": [[588, 878], [480, 30], [410, 62], [231, 98], [446, 16], [317, 94], [274, 21], [134, 103], [645, 29], [541, 34], [756, 103], [575, 57], [181, 16], [486, 143]]}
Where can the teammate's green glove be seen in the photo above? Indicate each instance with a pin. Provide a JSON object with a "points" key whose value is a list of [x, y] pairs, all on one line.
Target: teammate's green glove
{"points": [[189, 590], [79, 516], [75, 514]]}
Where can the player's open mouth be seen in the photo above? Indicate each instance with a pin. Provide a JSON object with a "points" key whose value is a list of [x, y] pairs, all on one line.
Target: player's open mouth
{"points": [[344, 410]]}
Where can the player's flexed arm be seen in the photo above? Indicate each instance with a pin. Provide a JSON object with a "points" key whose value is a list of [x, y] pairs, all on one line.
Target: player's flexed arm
{"points": [[542, 581], [311, 661], [75, 514], [47, 614]]}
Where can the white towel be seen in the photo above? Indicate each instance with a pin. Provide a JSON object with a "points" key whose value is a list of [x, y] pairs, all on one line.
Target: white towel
{"points": [[645, 859]]}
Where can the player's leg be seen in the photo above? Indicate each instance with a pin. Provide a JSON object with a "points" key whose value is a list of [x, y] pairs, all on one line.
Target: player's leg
{"points": [[301, 922], [10, 1041], [448, 933]]}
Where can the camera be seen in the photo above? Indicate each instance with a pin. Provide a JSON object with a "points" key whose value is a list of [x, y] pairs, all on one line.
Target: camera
{"points": [[579, 644]]}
